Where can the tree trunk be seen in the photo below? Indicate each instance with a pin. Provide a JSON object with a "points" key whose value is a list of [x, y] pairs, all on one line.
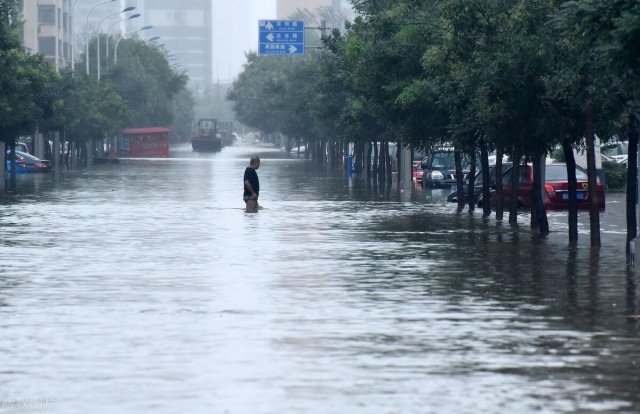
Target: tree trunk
{"points": [[368, 162], [12, 163], [594, 211], [382, 164], [484, 160], [573, 186], [457, 156], [374, 169], [471, 181], [632, 183], [345, 154], [515, 186], [387, 160], [539, 221], [486, 196]]}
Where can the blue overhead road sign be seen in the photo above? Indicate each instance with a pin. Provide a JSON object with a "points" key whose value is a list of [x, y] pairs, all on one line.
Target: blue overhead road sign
{"points": [[281, 37]]}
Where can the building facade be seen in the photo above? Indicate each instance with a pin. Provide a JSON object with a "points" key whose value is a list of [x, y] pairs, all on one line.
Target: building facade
{"points": [[185, 30], [48, 30], [93, 16]]}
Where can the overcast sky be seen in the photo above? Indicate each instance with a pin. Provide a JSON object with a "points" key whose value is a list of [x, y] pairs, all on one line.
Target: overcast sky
{"points": [[235, 31]]}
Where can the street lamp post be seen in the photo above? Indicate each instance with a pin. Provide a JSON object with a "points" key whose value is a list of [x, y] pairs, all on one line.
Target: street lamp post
{"points": [[86, 57], [100, 24], [115, 51], [133, 16], [73, 36]]}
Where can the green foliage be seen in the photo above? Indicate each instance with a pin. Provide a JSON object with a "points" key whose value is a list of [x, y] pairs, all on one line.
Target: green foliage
{"points": [[91, 109], [184, 114], [9, 15], [615, 175], [25, 82], [142, 90], [518, 73], [146, 82], [258, 93]]}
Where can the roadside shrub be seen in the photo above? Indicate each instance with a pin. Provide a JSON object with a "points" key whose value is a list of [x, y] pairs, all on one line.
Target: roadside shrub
{"points": [[615, 175]]}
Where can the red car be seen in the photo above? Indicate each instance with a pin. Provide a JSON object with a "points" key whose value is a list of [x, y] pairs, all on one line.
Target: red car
{"points": [[556, 194], [418, 170]]}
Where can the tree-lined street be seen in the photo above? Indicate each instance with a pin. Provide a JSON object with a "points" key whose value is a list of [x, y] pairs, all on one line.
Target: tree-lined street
{"points": [[154, 291], [141, 89], [520, 78]]}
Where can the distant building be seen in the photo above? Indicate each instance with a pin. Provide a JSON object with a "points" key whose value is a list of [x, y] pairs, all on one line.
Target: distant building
{"points": [[91, 16], [184, 27], [47, 30]]}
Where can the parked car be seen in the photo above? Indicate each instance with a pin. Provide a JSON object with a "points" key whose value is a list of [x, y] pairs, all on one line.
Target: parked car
{"points": [[21, 146], [556, 194], [27, 163], [418, 170], [440, 171], [477, 185]]}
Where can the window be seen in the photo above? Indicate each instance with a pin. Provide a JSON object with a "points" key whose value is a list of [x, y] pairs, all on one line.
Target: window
{"points": [[47, 46], [443, 160], [47, 14], [180, 18], [507, 176]]}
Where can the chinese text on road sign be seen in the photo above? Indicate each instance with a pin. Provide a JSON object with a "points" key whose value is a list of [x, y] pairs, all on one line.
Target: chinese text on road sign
{"points": [[281, 37]]}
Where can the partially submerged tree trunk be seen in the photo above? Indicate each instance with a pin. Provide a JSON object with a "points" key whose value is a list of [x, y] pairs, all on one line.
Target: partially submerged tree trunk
{"points": [[486, 177], [573, 187], [374, 168], [356, 158], [457, 156], [594, 211], [387, 161], [539, 221], [382, 163], [12, 163], [368, 166], [515, 186], [632, 183], [472, 174], [486, 195]]}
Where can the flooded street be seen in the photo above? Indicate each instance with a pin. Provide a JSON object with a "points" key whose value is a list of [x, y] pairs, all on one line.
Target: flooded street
{"points": [[144, 287]]}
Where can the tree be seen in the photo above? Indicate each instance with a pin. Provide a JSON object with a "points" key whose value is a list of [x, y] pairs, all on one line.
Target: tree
{"points": [[25, 82], [92, 110], [145, 81], [607, 58]]}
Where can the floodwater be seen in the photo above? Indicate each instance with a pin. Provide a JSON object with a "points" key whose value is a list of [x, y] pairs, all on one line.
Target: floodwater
{"points": [[144, 287]]}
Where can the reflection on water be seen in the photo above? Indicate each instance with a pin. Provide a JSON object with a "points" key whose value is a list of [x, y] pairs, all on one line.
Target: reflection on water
{"points": [[144, 287]]}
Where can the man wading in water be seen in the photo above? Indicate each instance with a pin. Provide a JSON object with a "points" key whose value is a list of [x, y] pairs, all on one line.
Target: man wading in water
{"points": [[251, 185]]}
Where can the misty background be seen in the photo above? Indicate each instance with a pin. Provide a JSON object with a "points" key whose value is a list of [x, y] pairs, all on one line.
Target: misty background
{"points": [[235, 31]]}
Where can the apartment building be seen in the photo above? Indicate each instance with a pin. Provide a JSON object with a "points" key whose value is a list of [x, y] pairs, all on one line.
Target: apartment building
{"points": [[48, 30], [185, 29]]}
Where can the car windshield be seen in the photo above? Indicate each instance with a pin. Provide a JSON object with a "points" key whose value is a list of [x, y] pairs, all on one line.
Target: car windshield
{"points": [[443, 160], [27, 156], [559, 173]]}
